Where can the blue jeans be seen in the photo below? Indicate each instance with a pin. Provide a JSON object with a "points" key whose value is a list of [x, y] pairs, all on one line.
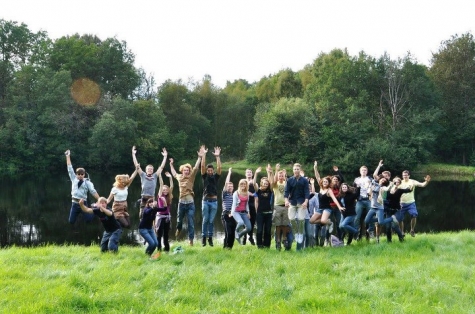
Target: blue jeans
{"points": [[347, 224], [362, 207], [189, 210], [242, 221], [76, 210], [110, 241], [209, 209], [151, 238], [379, 216]]}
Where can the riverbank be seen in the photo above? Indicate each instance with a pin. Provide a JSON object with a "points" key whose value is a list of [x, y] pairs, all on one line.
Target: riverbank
{"points": [[431, 273], [434, 169]]}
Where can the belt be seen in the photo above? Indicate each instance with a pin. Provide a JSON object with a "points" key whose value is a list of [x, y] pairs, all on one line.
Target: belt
{"points": [[76, 200], [210, 199], [364, 198], [186, 202]]}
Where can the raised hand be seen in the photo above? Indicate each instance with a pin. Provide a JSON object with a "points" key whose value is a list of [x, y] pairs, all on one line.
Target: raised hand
{"points": [[217, 151], [335, 168], [230, 169], [134, 150], [269, 168], [168, 174], [164, 152], [171, 161], [315, 164]]}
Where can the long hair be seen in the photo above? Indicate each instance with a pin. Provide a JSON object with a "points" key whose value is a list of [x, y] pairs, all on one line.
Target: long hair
{"points": [[329, 179], [167, 197], [121, 180], [239, 185]]}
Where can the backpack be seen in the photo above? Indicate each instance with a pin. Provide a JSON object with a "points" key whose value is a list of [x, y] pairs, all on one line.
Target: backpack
{"points": [[335, 242]]}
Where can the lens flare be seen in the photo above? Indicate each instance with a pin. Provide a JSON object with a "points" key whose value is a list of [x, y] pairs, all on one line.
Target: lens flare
{"points": [[85, 92]]}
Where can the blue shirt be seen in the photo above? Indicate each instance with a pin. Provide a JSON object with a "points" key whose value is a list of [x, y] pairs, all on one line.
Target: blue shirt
{"points": [[297, 190], [80, 192]]}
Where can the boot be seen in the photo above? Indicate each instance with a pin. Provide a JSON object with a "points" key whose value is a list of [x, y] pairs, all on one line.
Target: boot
{"points": [[251, 240], [203, 241], [210, 241]]}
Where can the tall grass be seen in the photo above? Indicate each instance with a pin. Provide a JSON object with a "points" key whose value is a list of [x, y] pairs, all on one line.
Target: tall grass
{"points": [[431, 273]]}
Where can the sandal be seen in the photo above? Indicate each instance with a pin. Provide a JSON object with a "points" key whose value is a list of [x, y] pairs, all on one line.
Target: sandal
{"points": [[412, 233]]}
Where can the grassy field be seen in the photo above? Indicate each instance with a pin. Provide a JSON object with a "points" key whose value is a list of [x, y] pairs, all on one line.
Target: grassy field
{"points": [[431, 273]]}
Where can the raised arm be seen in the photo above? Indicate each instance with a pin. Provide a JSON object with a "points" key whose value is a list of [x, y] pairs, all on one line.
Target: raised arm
{"points": [[315, 170], [217, 153], [276, 174], [134, 158], [68, 157], [228, 179], [312, 185], [203, 160], [254, 180], [172, 169], [201, 153], [133, 175], [171, 182], [164, 160], [270, 175], [376, 171]]}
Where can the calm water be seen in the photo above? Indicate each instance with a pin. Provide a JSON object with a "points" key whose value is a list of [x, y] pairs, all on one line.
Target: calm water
{"points": [[34, 210]]}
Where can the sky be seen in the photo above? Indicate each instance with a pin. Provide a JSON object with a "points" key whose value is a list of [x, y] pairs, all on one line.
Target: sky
{"points": [[249, 39]]}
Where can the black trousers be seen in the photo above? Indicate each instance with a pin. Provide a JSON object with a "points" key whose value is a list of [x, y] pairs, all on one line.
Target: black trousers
{"points": [[229, 225], [264, 227]]}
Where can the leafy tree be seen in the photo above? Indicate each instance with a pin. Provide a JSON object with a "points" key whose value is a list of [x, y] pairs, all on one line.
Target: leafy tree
{"points": [[17, 45], [182, 116], [453, 71], [108, 63], [285, 131]]}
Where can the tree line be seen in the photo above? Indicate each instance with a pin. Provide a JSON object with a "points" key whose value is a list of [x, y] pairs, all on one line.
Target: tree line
{"points": [[339, 109]]}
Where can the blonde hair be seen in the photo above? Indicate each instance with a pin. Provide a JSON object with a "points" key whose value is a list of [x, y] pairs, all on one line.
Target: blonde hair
{"points": [[168, 197], [243, 181], [102, 199], [185, 166], [121, 180]]}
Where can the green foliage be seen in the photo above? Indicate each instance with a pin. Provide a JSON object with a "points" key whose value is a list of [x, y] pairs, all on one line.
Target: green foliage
{"points": [[453, 72], [285, 131], [108, 63], [340, 109]]}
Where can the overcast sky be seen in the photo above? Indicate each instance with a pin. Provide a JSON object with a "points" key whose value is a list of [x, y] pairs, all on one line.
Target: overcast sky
{"points": [[249, 39]]}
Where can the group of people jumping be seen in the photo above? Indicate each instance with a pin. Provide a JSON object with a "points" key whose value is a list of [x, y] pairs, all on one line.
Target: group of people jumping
{"points": [[292, 204]]}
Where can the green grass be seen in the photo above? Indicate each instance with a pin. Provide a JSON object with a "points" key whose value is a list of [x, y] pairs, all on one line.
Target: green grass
{"points": [[431, 273], [450, 172]]}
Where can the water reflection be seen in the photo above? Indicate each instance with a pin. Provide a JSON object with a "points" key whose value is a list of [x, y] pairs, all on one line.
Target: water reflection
{"points": [[35, 211]]}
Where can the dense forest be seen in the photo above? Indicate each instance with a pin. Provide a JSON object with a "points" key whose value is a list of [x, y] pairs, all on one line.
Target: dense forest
{"points": [[84, 93]]}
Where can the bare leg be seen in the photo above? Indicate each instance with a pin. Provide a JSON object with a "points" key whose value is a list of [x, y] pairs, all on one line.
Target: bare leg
{"points": [[413, 225], [315, 218]]}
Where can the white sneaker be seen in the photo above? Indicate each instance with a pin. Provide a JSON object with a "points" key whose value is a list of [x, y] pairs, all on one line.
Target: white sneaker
{"points": [[299, 237], [330, 227], [394, 219]]}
